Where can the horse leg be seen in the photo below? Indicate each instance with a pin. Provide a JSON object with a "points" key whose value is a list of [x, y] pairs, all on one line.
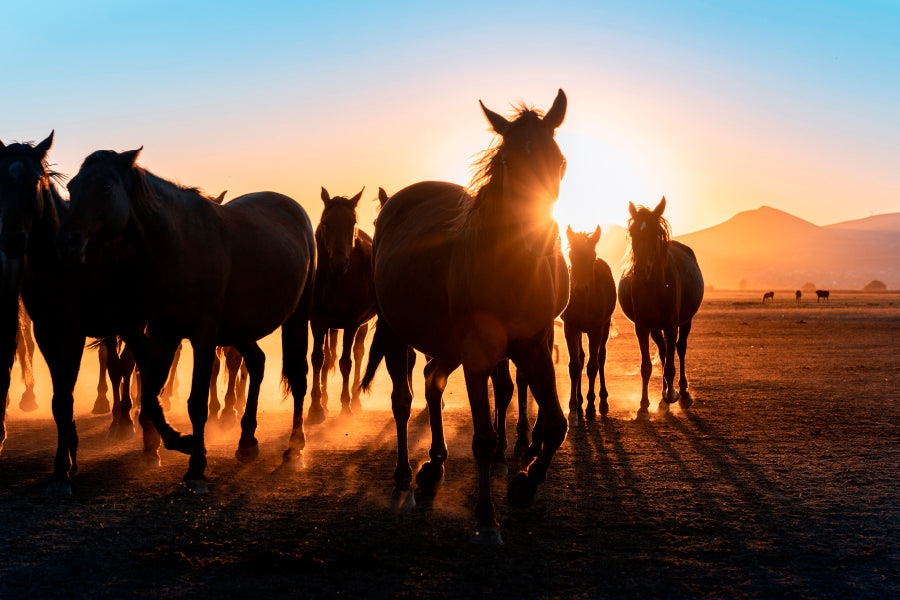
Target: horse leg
{"points": [[330, 360], [576, 364], [523, 426], [659, 338], [535, 360], [240, 390], [294, 369], [601, 367], [114, 368], [25, 351], [126, 362], [594, 345], [643, 336], [431, 474], [213, 383], [255, 362], [101, 404], [685, 401], [670, 395], [154, 355], [359, 352], [346, 365], [204, 347], [484, 444], [233, 362], [503, 393], [10, 329], [62, 350], [171, 387], [316, 409], [397, 359]]}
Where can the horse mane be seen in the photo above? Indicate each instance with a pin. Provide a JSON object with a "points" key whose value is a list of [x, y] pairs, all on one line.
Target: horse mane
{"points": [[663, 232], [476, 203]]}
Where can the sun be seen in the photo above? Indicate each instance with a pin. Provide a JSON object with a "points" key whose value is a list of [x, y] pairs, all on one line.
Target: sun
{"points": [[601, 179]]}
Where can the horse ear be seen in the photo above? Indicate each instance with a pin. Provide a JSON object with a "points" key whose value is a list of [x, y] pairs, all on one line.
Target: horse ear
{"points": [[355, 199], [41, 149], [632, 210], [498, 123], [658, 211], [220, 198], [127, 160], [325, 196], [557, 112], [595, 237], [382, 196], [569, 233]]}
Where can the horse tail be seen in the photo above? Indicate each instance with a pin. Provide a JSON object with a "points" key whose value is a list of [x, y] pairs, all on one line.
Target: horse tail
{"points": [[376, 355]]}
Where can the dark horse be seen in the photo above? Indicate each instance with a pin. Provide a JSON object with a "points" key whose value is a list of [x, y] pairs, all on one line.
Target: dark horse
{"points": [[822, 295], [660, 292], [465, 279], [29, 207], [189, 268], [592, 299], [770, 296], [797, 296], [344, 298]]}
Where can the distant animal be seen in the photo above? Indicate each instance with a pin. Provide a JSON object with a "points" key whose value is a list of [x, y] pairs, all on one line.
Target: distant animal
{"points": [[660, 291], [770, 296], [797, 295], [344, 299], [215, 275], [822, 295], [452, 273], [592, 299]]}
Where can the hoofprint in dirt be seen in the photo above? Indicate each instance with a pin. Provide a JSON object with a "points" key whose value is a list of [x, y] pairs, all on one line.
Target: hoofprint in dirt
{"points": [[781, 480]]}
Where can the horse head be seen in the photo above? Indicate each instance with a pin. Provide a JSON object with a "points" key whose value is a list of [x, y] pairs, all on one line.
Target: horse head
{"points": [[99, 197], [23, 180], [336, 233], [582, 255], [532, 166], [649, 233]]}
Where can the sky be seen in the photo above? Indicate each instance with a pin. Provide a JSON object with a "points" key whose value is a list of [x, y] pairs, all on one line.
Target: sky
{"points": [[719, 106]]}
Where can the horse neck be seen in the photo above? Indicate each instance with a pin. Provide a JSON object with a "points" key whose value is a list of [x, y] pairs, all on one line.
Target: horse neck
{"points": [[43, 233]]}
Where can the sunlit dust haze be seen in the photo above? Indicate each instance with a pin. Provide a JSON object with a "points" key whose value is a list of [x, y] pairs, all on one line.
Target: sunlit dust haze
{"points": [[719, 108]]}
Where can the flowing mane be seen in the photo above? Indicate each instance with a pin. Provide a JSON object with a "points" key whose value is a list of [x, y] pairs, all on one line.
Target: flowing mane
{"points": [[663, 232]]}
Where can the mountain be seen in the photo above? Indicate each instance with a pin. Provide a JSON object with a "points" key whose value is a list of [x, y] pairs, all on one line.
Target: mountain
{"points": [[769, 248]]}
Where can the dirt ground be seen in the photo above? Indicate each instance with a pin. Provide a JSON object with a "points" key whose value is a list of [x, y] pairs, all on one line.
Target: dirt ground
{"points": [[781, 481]]}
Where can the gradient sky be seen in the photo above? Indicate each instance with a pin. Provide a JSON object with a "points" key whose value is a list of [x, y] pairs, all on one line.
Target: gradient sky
{"points": [[722, 107]]}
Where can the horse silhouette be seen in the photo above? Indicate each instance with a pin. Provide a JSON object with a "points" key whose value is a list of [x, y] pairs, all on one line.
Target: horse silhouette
{"points": [[797, 295], [466, 279], [660, 291], [770, 296], [822, 295], [344, 299], [187, 268], [592, 299]]}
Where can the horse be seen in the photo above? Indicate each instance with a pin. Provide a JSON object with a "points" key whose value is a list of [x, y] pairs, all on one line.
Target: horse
{"points": [[216, 275], [464, 277], [29, 204], [770, 296], [592, 299], [344, 299], [660, 292], [797, 295], [822, 295]]}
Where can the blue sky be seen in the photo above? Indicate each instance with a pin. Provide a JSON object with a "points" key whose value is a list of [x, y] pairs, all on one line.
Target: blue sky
{"points": [[720, 106]]}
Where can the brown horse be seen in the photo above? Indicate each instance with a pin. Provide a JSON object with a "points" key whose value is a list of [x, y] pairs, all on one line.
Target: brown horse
{"points": [[769, 296], [592, 299], [660, 292], [797, 296], [465, 279], [216, 275], [344, 299], [822, 295], [29, 205]]}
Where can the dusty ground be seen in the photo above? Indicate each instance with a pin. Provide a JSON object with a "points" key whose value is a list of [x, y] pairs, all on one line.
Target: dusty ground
{"points": [[781, 481]]}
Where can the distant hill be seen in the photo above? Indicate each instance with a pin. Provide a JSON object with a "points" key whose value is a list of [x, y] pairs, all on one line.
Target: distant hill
{"points": [[769, 248]]}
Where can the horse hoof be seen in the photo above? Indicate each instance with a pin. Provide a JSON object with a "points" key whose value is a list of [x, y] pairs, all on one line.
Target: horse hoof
{"points": [[401, 499], [59, 489], [315, 416], [672, 397], [685, 401], [499, 469], [663, 408], [197, 487], [150, 460], [227, 421], [643, 415], [247, 453], [604, 408], [101, 407], [520, 491], [356, 405], [486, 536], [28, 405], [293, 461], [591, 413]]}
